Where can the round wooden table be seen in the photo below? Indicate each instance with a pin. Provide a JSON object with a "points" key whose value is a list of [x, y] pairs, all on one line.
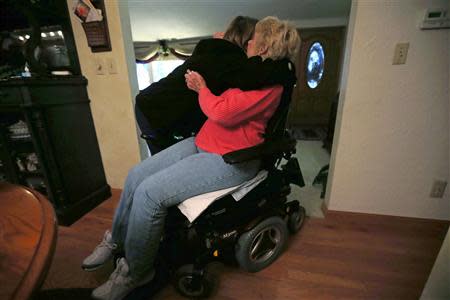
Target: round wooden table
{"points": [[28, 230]]}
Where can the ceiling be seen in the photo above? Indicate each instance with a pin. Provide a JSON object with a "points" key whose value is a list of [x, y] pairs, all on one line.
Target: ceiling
{"points": [[176, 19]]}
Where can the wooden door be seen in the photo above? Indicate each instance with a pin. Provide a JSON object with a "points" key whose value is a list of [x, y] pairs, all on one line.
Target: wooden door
{"points": [[316, 87]]}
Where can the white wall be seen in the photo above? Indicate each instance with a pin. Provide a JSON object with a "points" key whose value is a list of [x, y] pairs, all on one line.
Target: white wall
{"points": [[393, 135], [438, 283], [112, 95]]}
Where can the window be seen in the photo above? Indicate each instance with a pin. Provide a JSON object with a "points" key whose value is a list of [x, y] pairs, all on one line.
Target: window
{"points": [[143, 76], [154, 71], [315, 65]]}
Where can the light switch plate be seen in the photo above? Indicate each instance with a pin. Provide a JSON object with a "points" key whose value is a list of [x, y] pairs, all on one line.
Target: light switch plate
{"points": [[112, 66], [400, 53], [438, 189], [99, 66]]}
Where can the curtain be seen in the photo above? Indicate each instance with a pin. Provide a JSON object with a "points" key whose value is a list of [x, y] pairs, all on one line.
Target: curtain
{"points": [[147, 52]]}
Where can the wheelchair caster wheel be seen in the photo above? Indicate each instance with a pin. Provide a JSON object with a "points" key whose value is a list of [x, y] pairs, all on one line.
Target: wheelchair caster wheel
{"points": [[296, 219], [194, 286], [258, 248]]}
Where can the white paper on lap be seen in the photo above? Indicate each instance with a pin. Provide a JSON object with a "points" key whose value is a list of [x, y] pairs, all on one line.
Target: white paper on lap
{"points": [[194, 206]]}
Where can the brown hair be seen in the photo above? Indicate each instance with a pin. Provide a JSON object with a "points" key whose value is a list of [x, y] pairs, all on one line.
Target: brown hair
{"points": [[240, 31], [279, 37]]}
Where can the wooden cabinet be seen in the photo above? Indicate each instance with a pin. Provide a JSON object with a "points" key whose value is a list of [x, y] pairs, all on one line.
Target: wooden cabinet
{"points": [[48, 142]]}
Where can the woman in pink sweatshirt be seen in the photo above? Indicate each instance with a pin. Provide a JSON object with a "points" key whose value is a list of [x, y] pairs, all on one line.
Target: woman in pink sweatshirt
{"points": [[194, 166]]}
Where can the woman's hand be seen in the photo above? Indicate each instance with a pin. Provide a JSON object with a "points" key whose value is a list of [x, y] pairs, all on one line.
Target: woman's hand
{"points": [[194, 81]]}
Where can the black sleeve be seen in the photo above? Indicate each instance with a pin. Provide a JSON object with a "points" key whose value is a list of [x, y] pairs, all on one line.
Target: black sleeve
{"points": [[254, 73]]}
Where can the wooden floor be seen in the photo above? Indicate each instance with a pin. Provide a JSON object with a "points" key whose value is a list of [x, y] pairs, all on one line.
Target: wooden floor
{"points": [[343, 256]]}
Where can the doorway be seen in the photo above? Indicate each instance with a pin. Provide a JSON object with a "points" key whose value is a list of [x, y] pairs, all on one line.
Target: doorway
{"points": [[313, 110], [318, 69]]}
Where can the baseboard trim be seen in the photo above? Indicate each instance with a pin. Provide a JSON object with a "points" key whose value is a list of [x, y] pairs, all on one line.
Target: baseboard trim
{"points": [[387, 217]]}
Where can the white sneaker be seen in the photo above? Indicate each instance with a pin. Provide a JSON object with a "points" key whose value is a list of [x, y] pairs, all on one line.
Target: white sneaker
{"points": [[119, 283], [101, 254]]}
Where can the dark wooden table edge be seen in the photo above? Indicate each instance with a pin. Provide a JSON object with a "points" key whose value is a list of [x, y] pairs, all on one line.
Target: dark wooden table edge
{"points": [[43, 254]]}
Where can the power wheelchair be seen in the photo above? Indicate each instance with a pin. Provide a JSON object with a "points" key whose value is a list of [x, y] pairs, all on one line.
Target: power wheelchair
{"points": [[251, 232]]}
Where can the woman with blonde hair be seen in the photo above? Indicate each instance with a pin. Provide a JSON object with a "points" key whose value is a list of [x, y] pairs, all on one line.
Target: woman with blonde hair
{"points": [[167, 107], [236, 120]]}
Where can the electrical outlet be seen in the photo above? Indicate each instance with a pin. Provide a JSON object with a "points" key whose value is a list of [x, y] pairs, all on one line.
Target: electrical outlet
{"points": [[99, 66], [112, 66], [438, 189], [400, 53]]}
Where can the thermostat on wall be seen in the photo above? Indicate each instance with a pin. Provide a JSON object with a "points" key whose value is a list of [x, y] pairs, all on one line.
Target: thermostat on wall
{"points": [[435, 19]]}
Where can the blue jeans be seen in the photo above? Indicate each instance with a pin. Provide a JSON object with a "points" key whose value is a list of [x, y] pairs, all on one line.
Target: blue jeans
{"points": [[161, 181]]}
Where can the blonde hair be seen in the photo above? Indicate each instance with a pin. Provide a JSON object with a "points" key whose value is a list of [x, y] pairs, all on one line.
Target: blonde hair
{"points": [[280, 38]]}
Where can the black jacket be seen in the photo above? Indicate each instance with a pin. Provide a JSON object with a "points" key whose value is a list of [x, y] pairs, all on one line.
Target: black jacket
{"points": [[168, 103]]}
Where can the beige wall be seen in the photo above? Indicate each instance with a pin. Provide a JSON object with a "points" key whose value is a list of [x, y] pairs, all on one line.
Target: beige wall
{"points": [[393, 135], [438, 283], [111, 97]]}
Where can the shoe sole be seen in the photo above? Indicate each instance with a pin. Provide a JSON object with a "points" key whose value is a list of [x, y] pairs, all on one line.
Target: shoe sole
{"points": [[91, 269]]}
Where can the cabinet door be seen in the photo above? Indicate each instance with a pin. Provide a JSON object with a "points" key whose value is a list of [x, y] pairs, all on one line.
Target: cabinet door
{"points": [[58, 152]]}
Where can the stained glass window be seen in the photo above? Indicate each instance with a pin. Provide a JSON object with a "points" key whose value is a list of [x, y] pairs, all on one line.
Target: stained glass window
{"points": [[315, 65]]}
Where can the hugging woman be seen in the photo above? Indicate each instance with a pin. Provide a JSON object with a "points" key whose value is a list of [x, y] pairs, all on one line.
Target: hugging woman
{"points": [[167, 107], [236, 120]]}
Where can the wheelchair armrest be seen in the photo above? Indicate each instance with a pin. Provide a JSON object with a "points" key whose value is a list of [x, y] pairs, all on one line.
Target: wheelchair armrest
{"points": [[242, 155], [269, 147]]}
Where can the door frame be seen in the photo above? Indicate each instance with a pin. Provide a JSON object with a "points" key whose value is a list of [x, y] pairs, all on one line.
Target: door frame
{"points": [[343, 79]]}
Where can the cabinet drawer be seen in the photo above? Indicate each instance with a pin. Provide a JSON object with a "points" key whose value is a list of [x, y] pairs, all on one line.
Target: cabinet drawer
{"points": [[10, 95]]}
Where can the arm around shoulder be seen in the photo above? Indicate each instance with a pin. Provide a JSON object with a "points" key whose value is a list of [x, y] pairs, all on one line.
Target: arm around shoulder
{"points": [[254, 73]]}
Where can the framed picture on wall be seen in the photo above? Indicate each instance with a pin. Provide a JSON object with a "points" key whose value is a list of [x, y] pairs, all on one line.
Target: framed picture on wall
{"points": [[81, 10]]}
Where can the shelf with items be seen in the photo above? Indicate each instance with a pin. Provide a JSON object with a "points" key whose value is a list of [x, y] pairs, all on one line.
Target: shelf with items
{"points": [[27, 163], [42, 25], [19, 131], [29, 172], [17, 147]]}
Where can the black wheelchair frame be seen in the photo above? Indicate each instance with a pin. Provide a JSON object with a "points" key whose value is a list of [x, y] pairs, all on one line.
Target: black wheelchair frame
{"points": [[187, 249]]}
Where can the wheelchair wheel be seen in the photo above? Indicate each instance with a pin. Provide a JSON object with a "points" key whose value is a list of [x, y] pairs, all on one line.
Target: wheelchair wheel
{"points": [[296, 219], [183, 283], [258, 248]]}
